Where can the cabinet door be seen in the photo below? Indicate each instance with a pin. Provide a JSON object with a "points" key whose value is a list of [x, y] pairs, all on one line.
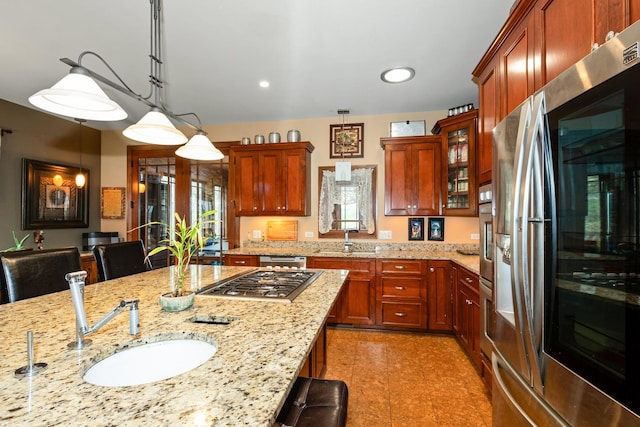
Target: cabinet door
{"points": [[358, 305], [245, 181], [440, 298], [463, 316], [488, 119], [270, 181], [565, 33], [294, 197], [398, 180], [517, 67], [427, 179]]}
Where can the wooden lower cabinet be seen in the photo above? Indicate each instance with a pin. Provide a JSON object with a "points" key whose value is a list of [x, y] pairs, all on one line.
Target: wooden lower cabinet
{"points": [[440, 296], [467, 323], [316, 364], [241, 260], [356, 303], [401, 295]]}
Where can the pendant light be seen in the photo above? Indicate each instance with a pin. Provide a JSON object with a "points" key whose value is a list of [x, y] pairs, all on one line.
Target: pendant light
{"points": [[78, 95], [199, 148], [80, 178]]}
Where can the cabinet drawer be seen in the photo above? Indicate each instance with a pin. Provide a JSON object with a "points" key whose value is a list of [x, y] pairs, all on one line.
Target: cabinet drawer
{"points": [[365, 266], [402, 287], [401, 266], [404, 314], [468, 278], [242, 260]]}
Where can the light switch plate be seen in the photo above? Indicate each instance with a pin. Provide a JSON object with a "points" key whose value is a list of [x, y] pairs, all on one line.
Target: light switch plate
{"points": [[308, 234], [256, 234], [475, 236], [385, 234]]}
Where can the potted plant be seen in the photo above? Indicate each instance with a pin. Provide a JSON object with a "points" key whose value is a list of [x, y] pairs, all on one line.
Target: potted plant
{"points": [[19, 244], [183, 244]]}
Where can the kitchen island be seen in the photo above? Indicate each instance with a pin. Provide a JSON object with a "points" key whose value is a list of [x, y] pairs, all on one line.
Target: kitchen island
{"points": [[245, 383]]}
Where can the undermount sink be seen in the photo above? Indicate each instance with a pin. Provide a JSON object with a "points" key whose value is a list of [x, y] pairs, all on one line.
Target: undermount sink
{"points": [[346, 253], [150, 362]]}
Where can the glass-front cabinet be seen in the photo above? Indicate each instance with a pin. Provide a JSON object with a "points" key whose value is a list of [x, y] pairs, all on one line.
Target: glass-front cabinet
{"points": [[458, 163]]}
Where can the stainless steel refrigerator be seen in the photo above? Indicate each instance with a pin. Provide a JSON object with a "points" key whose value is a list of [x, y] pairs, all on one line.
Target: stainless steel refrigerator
{"points": [[566, 177]]}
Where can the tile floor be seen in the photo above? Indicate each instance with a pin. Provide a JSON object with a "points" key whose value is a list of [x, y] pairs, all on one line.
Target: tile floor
{"points": [[398, 379]]}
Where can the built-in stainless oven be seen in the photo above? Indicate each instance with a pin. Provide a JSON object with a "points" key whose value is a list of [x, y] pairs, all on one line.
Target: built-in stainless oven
{"points": [[486, 232], [486, 268]]}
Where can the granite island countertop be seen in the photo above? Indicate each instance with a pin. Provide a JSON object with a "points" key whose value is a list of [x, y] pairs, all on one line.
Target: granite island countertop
{"points": [[244, 383]]}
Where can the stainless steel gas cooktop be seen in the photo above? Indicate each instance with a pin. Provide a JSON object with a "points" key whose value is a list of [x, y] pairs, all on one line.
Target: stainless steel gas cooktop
{"points": [[283, 285]]}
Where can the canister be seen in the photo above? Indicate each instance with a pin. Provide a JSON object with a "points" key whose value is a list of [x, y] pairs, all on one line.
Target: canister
{"points": [[274, 137], [246, 140], [293, 136], [259, 139]]}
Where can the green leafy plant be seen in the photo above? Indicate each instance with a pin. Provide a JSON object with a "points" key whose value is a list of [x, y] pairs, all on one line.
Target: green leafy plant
{"points": [[185, 242], [19, 244]]}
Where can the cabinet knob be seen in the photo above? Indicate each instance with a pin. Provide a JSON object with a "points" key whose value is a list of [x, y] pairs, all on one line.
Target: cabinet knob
{"points": [[399, 314], [414, 206], [400, 267], [469, 280], [408, 206], [255, 208], [432, 269]]}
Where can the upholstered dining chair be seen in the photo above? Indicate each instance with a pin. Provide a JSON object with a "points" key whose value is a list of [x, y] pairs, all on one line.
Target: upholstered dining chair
{"points": [[28, 274], [120, 259]]}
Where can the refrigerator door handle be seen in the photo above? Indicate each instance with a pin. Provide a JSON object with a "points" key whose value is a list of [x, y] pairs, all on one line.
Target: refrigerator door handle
{"points": [[531, 241], [497, 366]]}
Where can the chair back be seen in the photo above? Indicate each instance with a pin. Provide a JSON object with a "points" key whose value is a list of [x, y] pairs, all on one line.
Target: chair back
{"points": [[120, 259], [28, 274]]}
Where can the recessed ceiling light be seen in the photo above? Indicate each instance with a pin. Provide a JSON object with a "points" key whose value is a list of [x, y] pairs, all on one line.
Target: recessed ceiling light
{"points": [[397, 74], [264, 83]]}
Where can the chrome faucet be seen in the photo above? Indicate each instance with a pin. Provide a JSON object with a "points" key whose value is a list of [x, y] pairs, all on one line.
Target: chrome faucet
{"points": [[347, 243], [76, 284]]}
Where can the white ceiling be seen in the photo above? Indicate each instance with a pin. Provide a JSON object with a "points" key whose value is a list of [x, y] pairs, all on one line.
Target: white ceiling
{"points": [[319, 55]]}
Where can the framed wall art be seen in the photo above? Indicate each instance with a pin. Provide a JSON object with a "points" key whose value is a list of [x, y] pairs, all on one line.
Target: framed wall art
{"points": [[347, 140], [113, 202], [416, 228], [51, 198], [436, 229]]}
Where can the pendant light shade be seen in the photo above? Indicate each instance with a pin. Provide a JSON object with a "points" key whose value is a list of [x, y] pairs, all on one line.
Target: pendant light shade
{"points": [[78, 95], [155, 128], [199, 147]]}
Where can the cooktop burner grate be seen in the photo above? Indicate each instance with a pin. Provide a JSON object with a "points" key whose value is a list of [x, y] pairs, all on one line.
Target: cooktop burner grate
{"points": [[264, 284]]}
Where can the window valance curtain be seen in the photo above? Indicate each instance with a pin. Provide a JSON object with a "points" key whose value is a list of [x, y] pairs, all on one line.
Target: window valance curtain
{"points": [[330, 195]]}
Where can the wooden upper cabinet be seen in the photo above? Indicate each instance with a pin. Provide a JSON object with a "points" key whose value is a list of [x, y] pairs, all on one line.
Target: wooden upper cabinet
{"points": [[271, 179], [458, 139], [540, 40], [565, 34], [412, 175], [489, 113], [516, 66]]}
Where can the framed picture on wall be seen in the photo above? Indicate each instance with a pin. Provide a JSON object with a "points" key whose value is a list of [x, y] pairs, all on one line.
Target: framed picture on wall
{"points": [[416, 228], [51, 198], [347, 140], [436, 229]]}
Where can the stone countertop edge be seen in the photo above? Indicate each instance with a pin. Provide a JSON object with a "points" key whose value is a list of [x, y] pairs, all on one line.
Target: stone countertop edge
{"points": [[470, 262], [245, 383]]}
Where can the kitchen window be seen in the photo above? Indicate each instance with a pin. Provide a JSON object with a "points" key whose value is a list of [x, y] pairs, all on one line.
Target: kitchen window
{"points": [[347, 205]]}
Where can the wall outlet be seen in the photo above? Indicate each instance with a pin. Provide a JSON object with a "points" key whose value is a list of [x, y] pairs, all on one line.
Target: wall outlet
{"points": [[475, 236], [385, 234], [256, 234], [308, 234]]}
